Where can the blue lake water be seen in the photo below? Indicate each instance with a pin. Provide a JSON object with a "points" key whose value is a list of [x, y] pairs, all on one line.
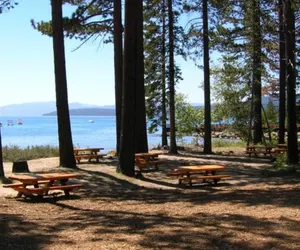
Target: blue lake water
{"points": [[42, 130]]}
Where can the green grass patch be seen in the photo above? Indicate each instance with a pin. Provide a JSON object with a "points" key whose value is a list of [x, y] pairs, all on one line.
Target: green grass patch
{"points": [[15, 153], [218, 143]]}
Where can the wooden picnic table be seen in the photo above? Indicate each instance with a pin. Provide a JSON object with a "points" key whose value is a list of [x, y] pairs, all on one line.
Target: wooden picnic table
{"points": [[31, 184], [88, 153], [143, 160], [203, 172], [149, 156], [280, 150], [259, 149]]}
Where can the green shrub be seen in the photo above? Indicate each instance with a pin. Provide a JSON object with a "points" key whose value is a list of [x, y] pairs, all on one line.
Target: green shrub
{"points": [[281, 161], [14, 153]]}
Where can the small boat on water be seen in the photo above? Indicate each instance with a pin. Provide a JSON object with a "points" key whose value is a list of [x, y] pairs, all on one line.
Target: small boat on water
{"points": [[10, 123], [91, 121], [19, 122]]}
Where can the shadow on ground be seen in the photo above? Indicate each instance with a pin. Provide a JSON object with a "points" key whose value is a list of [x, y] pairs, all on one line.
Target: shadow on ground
{"points": [[17, 233], [154, 212]]}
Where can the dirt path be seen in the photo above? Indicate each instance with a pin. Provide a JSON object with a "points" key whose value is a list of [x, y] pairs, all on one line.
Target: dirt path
{"points": [[249, 211]]}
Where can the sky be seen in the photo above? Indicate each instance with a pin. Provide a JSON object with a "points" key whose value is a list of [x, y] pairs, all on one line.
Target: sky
{"points": [[27, 71]]}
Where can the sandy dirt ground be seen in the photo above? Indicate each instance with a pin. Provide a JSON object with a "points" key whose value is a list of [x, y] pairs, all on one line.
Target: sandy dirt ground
{"points": [[255, 209]]}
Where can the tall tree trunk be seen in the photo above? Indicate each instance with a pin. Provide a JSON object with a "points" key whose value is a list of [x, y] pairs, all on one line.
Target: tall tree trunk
{"points": [[256, 68], [118, 62], [268, 126], [207, 109], [127, 142], [66, 154], [141, 141], [164, 138], [1, 157], [289, 18], [249, 139], [282, 71], [173, 146]]}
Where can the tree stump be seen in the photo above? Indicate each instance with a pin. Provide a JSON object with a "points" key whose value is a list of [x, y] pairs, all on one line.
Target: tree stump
{"points": [[20, 167]]}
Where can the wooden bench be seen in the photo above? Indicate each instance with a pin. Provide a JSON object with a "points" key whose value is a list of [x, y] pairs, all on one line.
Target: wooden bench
{"points": [[215, 178], [41, 191], [256, 150], [89, 157], [13, 185], [142, 163]]}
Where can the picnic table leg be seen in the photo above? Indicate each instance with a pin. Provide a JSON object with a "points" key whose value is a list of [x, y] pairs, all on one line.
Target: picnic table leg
{"points": [[216, 181], [67, 193], [19, 195], [205, 173], [190, 181], [51, 182], [36, 186], [179, 179], [63, 182]]}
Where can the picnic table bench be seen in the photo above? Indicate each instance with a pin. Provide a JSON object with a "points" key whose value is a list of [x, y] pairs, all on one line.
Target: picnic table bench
{"points": [[199, 172], [40, 184], [256, 150], [88, 153], [143, 160], [279, 151]]}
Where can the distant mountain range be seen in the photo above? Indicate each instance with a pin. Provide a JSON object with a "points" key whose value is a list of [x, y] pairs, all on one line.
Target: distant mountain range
{"points": [[87, 112], [41, 108], [76, 109]]}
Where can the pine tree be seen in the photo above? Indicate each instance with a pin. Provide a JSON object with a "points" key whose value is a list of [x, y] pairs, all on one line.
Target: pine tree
{"points": [[141, 140], [173, 146], [246, 33], [282, 75], [132, 52], [118, 67], [157, 62], [91, 19], [7, 5], [290, 42], [207, 121], [66, 155]]}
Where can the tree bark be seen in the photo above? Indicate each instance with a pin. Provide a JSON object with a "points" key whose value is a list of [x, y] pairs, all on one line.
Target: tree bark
{"points": [[141, 141], [164, 138], [66, 154], [207, 107], [282, 75], [127, 142], [256, 75], [173, 146], [118, 62], [289, 19]]}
